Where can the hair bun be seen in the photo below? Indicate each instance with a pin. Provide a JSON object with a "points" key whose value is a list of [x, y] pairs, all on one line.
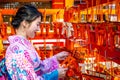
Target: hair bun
{"points": [[15, 22]]}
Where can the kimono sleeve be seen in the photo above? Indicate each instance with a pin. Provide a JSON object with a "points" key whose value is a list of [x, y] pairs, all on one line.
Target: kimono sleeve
{"points": [[51, 75], [47, 65]]}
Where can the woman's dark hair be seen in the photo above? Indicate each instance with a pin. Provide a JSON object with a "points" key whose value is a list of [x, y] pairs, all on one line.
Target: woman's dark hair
{"points": [[28, 13]]}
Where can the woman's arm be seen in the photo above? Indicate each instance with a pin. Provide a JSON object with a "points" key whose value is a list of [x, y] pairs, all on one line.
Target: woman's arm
{"points": [[50, 64], [47, 65]]}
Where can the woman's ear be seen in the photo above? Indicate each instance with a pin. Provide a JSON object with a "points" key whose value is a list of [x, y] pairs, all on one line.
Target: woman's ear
{"points": [[24, 24]]}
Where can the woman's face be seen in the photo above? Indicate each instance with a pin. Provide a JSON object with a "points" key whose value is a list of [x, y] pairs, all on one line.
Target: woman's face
{"points": [[33, 27]]}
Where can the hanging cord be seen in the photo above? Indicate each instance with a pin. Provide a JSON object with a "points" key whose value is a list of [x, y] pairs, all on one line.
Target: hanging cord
{"points": [[92, 12], [98, 9], [87, 10], [117, 9], [44, 20]]}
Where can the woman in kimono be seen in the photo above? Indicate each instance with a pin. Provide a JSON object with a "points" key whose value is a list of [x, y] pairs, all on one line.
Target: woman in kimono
{"points": [[22, 60]]}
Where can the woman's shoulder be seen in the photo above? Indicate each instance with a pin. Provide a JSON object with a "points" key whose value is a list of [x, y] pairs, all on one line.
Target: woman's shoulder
{"points": [[13, 39], [18, 40]]}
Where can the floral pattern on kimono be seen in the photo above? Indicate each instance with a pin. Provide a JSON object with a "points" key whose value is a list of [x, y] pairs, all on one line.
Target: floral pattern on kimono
{"points": [[23, 62]]}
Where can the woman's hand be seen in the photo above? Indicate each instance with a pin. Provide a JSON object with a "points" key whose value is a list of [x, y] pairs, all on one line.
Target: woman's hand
{"points": [[62, 55], [62, 72]]}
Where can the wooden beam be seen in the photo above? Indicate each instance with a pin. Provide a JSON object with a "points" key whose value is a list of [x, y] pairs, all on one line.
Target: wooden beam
{"points": [[25, 0], [13, 11]]}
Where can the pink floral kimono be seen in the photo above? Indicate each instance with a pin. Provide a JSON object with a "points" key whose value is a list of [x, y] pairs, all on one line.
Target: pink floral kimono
{"points": [[23, 62]]}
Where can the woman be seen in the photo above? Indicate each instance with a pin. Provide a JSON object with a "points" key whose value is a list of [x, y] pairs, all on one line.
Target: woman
{"points": [[22, 60]]}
